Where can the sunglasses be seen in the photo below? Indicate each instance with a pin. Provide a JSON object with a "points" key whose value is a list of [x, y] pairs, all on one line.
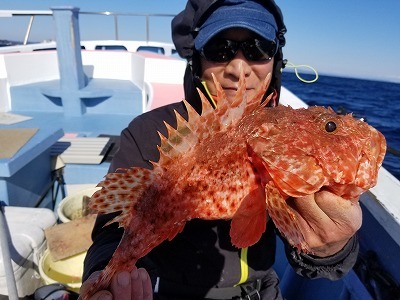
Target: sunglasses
{"points": [[223, 50]]}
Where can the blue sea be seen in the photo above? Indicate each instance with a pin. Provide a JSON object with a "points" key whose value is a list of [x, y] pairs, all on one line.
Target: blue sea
{"points": [[378, 102]]}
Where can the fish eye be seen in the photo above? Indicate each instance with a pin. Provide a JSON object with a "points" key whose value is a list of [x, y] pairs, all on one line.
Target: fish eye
{"points": [[330, 126]]}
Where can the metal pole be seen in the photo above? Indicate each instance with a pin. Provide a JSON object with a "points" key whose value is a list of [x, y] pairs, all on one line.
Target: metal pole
{"points": [[9, 271], [72, 77], [147, 29], [116, 27], [28, 30]]}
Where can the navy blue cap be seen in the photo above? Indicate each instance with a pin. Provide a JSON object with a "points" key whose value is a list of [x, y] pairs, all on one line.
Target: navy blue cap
{"points": [[237, 13]]}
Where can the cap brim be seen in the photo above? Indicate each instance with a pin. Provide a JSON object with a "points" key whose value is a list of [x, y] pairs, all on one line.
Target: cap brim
{"points": [[260, 22]]}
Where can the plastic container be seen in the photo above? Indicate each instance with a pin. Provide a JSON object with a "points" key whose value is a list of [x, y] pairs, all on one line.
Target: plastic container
{"points": [[67, 271], [70, 207], [26, 226]]}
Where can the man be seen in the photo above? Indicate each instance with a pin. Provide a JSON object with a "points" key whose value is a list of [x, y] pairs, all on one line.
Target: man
{"points": [[221, 38]]}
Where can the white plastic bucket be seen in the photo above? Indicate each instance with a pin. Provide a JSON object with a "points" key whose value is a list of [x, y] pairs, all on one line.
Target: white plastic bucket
{"points": [[67, 271], [70, 207]]}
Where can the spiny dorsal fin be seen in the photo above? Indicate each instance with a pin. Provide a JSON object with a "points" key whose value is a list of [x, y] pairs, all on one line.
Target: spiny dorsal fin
{"points": [[166, 149], [231, 112], [198, 127], [255, 103], [122, 189], [183, 127]]}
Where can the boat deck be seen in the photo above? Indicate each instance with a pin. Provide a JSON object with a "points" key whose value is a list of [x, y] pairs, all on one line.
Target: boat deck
{"points": [[19, 173]]}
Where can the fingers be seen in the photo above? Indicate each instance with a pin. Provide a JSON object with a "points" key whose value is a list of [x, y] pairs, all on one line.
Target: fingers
{"points": [[134, 285], [121, 286], [327, 208], [100, 295], [146, 282], [137, 286], [345, 213], [327, 221]]}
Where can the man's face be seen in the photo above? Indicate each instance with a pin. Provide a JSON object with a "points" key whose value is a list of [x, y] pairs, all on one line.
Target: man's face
{"points": [[227, 73]]}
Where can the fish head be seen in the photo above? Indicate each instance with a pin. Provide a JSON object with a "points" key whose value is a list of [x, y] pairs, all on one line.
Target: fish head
{"points": [[303, 150]]}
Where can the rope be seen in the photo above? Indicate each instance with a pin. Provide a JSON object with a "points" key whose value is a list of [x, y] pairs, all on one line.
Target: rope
{"points": [[288, 64]]}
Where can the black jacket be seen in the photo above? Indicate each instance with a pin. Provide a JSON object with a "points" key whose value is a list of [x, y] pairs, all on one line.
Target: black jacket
{"points": [[201, 257]]}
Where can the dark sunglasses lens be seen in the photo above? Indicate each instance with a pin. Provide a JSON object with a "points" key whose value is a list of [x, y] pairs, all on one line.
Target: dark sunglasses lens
{"points": [[257, 50], [219, 50]]}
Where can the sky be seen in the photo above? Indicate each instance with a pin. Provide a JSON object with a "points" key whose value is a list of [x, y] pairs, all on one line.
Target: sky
{"points": [[349, 38]]}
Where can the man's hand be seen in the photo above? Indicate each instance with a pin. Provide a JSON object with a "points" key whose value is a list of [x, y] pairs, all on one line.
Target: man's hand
{"points": [[135, 285], [327, 221]]}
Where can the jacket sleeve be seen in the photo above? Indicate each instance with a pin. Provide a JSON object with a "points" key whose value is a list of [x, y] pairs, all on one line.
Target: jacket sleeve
{"points": [[332, 267]]}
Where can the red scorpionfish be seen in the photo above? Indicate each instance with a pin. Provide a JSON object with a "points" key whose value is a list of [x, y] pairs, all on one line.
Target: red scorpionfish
{"points": [[239, 161]]}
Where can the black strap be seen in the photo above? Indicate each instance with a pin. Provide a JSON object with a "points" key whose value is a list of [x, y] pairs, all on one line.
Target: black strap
{"points": [[248, 291]]}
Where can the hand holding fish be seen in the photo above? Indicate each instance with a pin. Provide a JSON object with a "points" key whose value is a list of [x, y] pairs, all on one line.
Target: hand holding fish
{"points": [[327, 221], [135, 285]]}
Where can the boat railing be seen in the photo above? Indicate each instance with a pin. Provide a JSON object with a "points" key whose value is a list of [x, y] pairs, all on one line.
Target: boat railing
{"points": [[32, 14]]}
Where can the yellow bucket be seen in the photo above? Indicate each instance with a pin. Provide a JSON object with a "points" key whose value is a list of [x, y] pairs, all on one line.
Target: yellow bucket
{"points": [[66, 271]]}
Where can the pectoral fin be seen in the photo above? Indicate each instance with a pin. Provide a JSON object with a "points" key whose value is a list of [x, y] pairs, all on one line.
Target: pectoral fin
{"points": [[283, 217], [249, 221]]}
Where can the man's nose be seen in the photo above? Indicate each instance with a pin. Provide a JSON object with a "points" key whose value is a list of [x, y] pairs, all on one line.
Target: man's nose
{"points": [[233, 67]]}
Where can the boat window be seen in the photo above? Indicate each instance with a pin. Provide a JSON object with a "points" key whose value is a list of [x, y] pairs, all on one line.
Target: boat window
{"points": [[159, 50], [45, 49], [52, 48], [111, 47]]}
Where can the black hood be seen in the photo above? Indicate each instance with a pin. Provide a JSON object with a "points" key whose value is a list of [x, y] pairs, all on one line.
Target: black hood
{"points": [[184, 30]]}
